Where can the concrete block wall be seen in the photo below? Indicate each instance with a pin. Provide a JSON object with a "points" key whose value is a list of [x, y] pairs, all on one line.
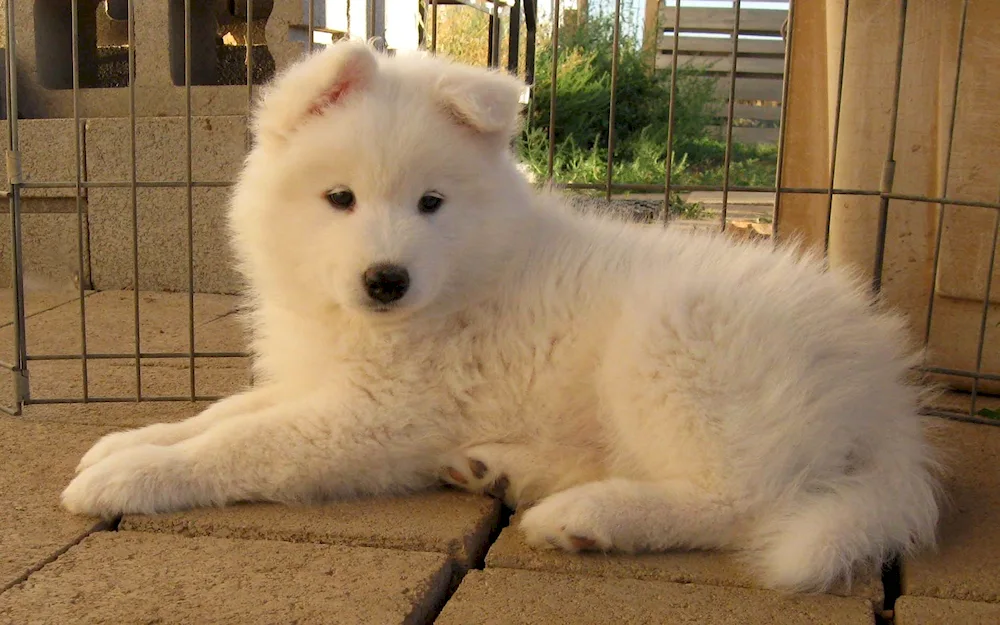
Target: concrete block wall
{"points": [[44, 55], [51, 226]]}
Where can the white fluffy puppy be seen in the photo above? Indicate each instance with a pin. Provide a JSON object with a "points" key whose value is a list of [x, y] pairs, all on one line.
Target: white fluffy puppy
{"points": [[420, 312]]}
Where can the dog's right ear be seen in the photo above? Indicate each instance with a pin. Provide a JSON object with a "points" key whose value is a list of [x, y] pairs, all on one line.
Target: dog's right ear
{"points": [[312, 87]]}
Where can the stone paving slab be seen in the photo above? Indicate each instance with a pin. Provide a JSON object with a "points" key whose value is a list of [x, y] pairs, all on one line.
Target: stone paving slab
{"points": [[163, 321], [510, 551], [34, 302], [927, 611], [134, 577], [113, 416], [456, 524], [967, 564], [38, 461], [507, 597], [214, 378]]}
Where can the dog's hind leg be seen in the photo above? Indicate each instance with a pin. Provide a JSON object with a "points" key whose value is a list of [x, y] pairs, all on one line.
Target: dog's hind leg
{"points": [[629, 515], [170, 433]]}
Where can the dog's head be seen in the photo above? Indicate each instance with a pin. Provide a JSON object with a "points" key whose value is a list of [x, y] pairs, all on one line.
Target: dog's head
{"points": [[383, 185]]}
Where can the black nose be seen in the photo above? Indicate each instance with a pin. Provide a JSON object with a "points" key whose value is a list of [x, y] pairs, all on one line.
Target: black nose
{"points": [[386, 283]]}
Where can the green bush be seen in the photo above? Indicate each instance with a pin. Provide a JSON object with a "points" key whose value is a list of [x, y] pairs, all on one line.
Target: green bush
{"points": [[583, 96], [583, 100]]}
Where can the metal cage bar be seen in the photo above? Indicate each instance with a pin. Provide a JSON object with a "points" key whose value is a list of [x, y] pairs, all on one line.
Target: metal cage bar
{"points": [[946, 174], [889, 167], [189, 354], [671, 115], [19, 367], [188, 176], [835, 140], [78, 147], [553, 89], [133, 172], [728, 158], [613, 101]]}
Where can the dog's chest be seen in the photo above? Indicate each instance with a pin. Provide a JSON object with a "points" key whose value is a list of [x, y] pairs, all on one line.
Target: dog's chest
{"points": [[512, 374]]}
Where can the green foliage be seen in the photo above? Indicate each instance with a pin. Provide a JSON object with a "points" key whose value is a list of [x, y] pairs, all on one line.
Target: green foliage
{"points": [[583, 94], [583, 99]]}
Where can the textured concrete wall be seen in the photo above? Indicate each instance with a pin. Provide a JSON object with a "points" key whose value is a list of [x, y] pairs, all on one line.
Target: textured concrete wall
{"points": [[54, 221], [218, 148], [155, 92]]}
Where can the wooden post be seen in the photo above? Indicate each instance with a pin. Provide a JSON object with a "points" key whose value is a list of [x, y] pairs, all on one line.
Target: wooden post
{"points": [[651, 31]]}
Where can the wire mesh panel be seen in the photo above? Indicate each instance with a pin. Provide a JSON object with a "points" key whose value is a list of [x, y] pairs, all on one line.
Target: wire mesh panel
{"points": [[853, 126]]}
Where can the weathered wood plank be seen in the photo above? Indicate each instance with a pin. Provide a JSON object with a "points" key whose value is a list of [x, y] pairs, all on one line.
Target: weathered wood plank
{"points": [[765, 89], [723, 19], [747, 135], [749, 111], [773, 67], [721, 45]]}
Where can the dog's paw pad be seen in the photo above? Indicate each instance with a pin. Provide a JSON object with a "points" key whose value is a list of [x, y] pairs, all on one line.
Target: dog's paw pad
{"points": [[478, 468], [454, 476], [475, 476], [582, 543]]}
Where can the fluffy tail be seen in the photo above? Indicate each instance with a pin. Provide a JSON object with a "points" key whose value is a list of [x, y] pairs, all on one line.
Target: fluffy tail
{"points": [[889, 507]]}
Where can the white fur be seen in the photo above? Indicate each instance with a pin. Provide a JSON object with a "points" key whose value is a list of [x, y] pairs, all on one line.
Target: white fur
{"points": [[645, 389]]}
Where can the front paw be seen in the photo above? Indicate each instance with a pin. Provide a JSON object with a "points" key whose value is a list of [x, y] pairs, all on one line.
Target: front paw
{"points": [[140, 480], [568, 521], [110, 445]]}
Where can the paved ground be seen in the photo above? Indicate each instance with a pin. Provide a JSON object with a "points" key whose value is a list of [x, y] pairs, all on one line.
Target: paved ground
{"points": [[443, 556]]}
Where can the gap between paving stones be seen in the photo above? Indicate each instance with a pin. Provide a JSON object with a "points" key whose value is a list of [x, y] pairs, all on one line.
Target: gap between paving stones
{"points": [[425, 612], [100, 526]]}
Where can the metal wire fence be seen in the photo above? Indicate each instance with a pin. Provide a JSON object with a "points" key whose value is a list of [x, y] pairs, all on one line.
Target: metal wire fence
{"points": [[516, 16]]}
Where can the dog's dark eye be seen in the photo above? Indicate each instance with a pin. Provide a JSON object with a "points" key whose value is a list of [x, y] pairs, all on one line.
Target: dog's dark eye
{"points": [[341, 199], [430, 203]]}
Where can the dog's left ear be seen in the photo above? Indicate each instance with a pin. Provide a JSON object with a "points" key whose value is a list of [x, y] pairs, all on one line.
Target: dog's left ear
{"points": [[488, 102]]}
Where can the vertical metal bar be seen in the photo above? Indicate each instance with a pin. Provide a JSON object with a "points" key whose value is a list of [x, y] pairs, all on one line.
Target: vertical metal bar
{"points": [[986, 313], [530, 40], [134, 199], [729, 116], [836, 128], [80, 239], [780, 164], [249, 133], [671, 113], [376, 23], [491, 48], [20, 357], [947, 173], [497, 29], [312, 25], [192, 385], [434, 26], [615, 45], [552, 92], [514, 38], [889, 168], [249, 136]]}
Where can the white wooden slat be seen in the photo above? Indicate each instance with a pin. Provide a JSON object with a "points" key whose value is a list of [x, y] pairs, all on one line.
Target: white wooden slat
{"points": [[748, 111], [765, 89], [773, 67], [721, 45], [723, 19], [747, 135]]}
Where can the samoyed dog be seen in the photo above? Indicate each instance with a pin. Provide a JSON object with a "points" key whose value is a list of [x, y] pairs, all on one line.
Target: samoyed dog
{"points": [[420, 313]]}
